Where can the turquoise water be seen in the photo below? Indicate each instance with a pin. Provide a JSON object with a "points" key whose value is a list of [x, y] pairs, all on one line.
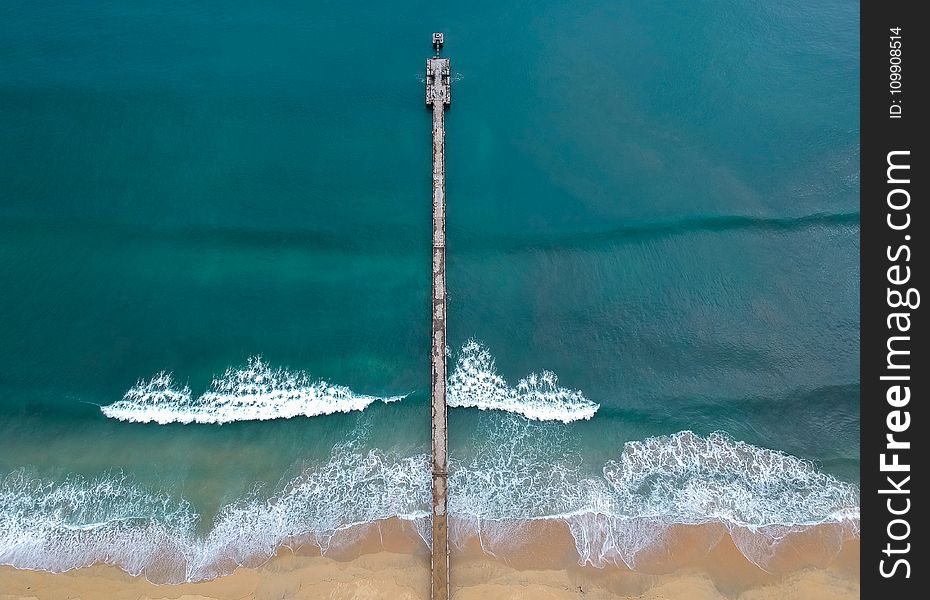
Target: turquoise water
{"points": [[659, 204]]}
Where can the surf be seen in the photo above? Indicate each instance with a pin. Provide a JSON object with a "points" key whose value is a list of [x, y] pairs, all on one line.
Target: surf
{"points": [[626, 510], [258, 392], [254, 392], [475, 383]]}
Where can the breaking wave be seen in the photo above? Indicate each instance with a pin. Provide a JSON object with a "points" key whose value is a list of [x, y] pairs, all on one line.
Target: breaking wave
{"points": [[255, 392], [79, 522], [475, 384], [524, 473]]}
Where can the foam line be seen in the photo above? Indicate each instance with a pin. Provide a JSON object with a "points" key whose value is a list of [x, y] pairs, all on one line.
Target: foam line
{"points": [[255, 392], [475, 384], [761, 496]]}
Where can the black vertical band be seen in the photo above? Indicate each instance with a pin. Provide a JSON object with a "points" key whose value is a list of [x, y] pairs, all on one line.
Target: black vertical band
{"points": [[895, 369]]}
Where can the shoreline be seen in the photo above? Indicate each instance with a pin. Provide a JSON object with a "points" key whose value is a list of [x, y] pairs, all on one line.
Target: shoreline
{"points": [[389, 560]]}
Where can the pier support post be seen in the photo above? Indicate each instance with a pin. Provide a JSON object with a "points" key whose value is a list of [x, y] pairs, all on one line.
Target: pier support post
{"points": [[438, 97]]}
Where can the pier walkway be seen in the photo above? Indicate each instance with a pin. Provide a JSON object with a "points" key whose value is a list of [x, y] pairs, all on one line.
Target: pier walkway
{"points": [[438, 97]]}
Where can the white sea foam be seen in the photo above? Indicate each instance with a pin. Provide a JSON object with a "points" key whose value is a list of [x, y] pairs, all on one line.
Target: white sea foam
{"points": [[524, 472], [255, 392], [78, 522], [760, 495], [475, 384], [528, 471]]}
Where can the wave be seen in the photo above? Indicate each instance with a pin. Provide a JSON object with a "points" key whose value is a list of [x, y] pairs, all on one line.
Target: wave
{"points": [[637, 231], [387, 241], [255, 392], [720, 223], [759, 495], [475, 384], [79, 522], [523, 474]]}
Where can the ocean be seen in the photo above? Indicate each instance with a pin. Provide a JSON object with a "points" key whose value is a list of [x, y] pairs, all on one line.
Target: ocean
{"points": [[215, 275]]}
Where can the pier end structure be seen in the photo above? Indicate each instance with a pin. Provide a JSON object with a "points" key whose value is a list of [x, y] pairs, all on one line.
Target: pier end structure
{"points": [[438, 98]]}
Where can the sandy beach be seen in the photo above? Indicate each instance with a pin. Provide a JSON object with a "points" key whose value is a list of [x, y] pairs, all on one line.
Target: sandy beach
{"points": [[388, 562]]}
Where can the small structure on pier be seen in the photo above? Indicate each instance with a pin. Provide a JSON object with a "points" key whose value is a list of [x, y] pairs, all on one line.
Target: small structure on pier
{"points": [[438, 80]]}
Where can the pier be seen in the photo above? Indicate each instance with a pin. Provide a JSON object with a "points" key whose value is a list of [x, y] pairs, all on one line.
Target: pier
{"points": [[438, 98]]}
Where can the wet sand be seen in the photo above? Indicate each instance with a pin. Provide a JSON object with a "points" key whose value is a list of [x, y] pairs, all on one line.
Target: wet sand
{"points": [[389, 561]]}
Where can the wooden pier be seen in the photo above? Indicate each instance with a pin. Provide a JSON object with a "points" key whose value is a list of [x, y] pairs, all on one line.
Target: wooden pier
{"points": [[438, 98]]}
